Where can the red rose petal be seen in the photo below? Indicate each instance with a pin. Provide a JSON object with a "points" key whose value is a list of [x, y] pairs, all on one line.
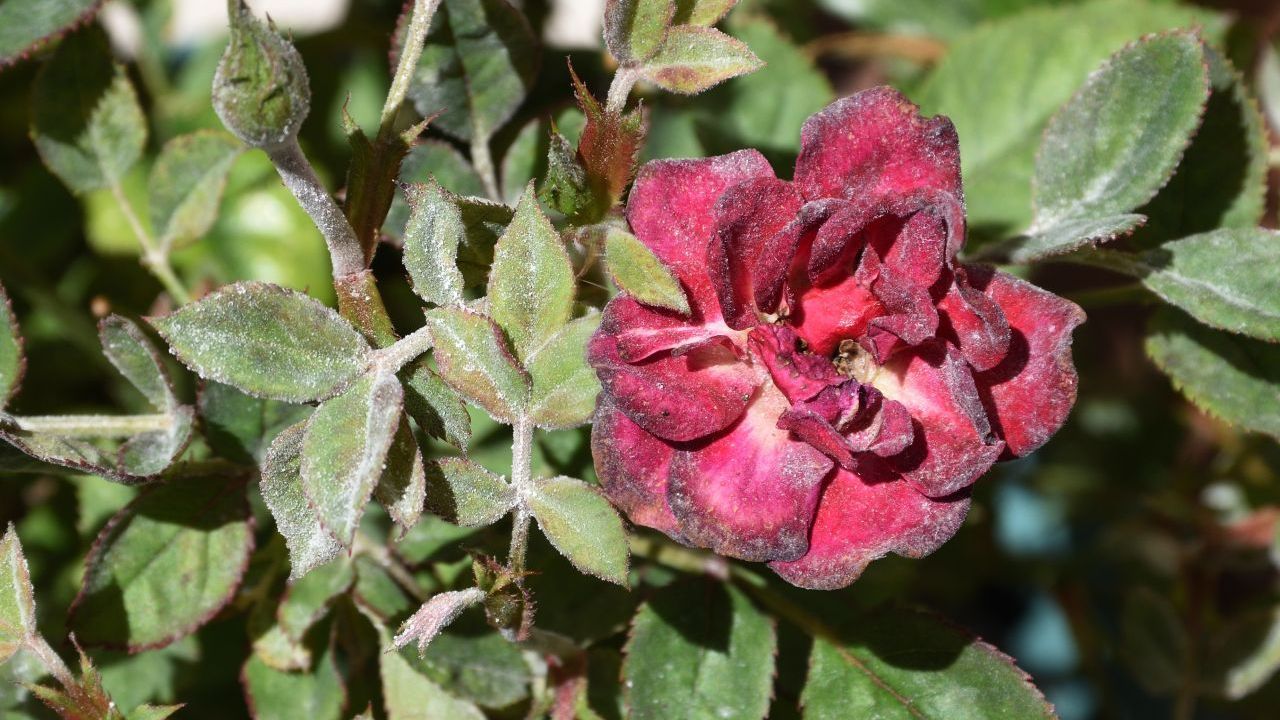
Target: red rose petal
{"points": [[799, 375], [859, 521], [747, 216], [633, 466], [954, 442], [751, 492], [876, 144], [683, 395], [671, 209], [788, 249], [1030, 393], [978, 325]]}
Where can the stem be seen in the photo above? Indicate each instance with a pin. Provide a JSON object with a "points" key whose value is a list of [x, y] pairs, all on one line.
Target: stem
{"points": [[98, 426], [345, 252], [155, 259], [521, 477], [620, 89], [415, 36], [482, 160], [51, 660], [404, 351]]}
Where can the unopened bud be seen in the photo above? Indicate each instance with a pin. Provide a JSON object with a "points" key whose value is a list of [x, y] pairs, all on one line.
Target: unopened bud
{"points": [[260, 90]]}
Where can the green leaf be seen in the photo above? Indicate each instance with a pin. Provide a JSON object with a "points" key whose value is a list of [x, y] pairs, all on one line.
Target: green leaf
{"points": [[767, 108], [410, 696], [639, 273], [316, 694], [434, 405], [17, 599], [309, 545], [1245, 654], [1221, 181], [267, 341], [377, 592], [138, 458], [371, 182], [471, 661], [478, 64], [1118, 141], [307, 600], [344, 449], [1234, 378], [139, 455], [567, 189], [164, 565], [531, 284], [635, 29], [582, 525], [901, 663], [25, 25], [702, 12], [693, 59], [131, 352], [927, 17], [85, 118], [152, 712], [526, 158], [564, 385], [475, 361], [699, 649], [432, 235], [1222, 278], [1153, 641], [12, 362], [430, 539], [1041, 57], [186, 185], [402, 488], [464, 493], [1063, 238], [241, 427], [431, 160]]}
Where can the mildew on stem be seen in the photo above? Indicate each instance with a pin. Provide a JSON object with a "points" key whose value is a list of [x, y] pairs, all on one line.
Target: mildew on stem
{"points": [[521, 477], [344, 248], [415, 36]]}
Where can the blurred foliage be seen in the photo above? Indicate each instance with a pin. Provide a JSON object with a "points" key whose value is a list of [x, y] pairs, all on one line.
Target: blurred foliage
{"points": [[1131, 565]]}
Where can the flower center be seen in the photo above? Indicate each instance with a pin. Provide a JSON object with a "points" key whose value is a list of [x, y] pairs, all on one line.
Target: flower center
{"points": [[853, 360]]}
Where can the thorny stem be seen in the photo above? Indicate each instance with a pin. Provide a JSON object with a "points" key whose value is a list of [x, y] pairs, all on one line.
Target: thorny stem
{"points": [[482, 160], [345, 252], [51, 660], [419, 24], [521, 477], [155, 259], [99, 426], [620, 89]]}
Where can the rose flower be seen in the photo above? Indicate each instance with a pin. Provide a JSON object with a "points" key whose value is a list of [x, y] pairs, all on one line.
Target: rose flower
{"points": [[841, 380]]}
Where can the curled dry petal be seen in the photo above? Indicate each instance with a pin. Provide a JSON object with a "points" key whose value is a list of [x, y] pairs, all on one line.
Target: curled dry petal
{"points": [[842, 380]]}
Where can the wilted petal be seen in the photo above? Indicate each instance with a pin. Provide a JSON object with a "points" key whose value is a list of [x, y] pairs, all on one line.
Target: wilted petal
{"points": [[748, 215], [671, 209], [789, 249], [860, 520], [954, 442], [679, 394], [977, 324], [1030, 393], [633, 467], [751, 492], [876, 144]]}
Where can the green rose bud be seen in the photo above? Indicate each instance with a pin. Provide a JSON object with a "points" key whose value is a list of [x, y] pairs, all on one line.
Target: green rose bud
{"points": [[260, 90]]}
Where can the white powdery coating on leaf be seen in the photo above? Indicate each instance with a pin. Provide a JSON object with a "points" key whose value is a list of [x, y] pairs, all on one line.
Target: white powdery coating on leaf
{"points": [[266, 341], [281, 485], [345, 449], [435, 615]]}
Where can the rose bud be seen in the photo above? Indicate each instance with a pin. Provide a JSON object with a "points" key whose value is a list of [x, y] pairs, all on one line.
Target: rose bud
{"points": [[260, 90]]}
